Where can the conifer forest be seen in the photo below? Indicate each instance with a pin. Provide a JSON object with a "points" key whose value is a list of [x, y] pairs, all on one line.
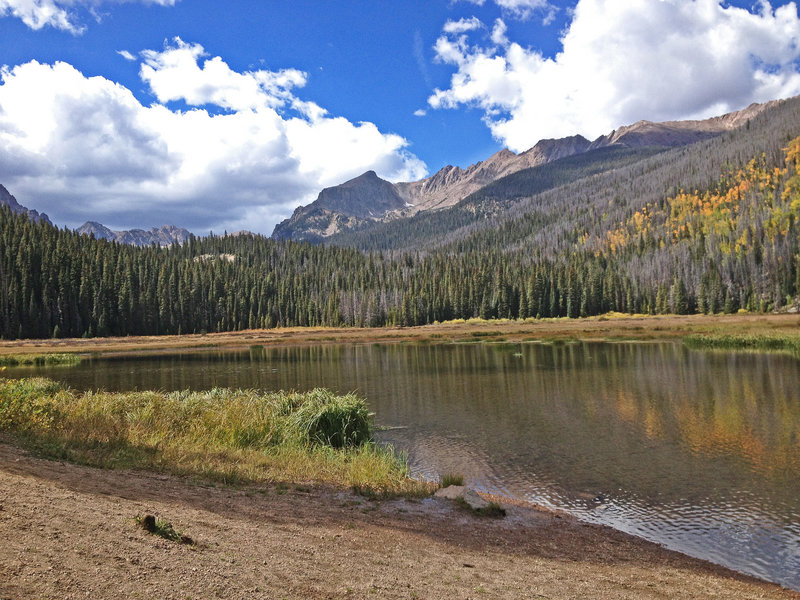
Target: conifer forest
{"points": [[706, 228]]}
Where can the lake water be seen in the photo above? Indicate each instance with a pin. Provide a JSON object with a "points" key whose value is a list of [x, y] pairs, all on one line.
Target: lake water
{"points": [[697, 451]]}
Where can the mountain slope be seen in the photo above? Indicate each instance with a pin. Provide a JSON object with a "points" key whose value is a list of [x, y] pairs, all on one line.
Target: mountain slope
{"points": [[360, 203], [433, 227], [8, 200], [350, 205]]}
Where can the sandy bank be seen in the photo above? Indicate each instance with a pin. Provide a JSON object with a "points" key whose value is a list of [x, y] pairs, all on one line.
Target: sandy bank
{"points": [[69, 532]]}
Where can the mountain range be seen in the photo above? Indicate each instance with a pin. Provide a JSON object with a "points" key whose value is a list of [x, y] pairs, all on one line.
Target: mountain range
{"points": [[166, 235], [368, 206], [360, 203]]}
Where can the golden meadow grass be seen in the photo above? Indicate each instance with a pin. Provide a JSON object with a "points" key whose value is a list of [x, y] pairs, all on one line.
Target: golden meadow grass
{"points": [[224, 435]]}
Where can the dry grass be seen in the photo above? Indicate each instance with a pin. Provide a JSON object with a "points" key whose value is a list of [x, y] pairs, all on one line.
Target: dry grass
{"points": [[230, 436], [612, 326]]}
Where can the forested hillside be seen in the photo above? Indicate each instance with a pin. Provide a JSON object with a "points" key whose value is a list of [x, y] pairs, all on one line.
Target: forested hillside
{"points": [[710, 227], [430, 228]]}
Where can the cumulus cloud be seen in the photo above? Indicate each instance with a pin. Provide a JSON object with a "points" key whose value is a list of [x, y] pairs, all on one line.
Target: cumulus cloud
{"points": [[175, 74], [241, 151], [60, 14], [625, 61]]}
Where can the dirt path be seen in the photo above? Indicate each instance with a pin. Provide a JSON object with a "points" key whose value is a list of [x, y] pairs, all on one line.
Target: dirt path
{"points": [[68, 532]]}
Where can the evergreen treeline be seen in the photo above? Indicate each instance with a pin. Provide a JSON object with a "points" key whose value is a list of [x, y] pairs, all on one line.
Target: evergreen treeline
{"points": [[665, 234]]}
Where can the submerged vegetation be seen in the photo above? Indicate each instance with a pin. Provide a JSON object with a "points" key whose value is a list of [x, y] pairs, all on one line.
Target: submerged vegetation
{"points": [[231, 436], [39, 360]]}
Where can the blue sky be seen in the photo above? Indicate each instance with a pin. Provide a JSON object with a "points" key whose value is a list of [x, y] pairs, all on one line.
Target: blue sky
{"points": [[228, 115]]}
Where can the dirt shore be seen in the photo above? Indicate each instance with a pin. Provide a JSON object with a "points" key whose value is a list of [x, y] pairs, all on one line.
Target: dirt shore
{"points": [[68, 531], [606, 327]]}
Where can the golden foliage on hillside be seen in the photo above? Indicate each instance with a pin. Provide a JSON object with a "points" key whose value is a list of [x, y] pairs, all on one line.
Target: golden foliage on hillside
{"points": [[746, 204]]}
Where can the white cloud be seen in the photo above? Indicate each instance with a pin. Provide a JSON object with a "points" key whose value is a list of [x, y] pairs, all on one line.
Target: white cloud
{"points": [[126, 55], [84, 148], [420, 112], [60, 14], [625, 61], [523, 9], [175, 74], [462, 25]]}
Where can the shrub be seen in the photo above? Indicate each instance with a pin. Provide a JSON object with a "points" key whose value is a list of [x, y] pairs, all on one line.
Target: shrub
{"points": [[27, 404]]}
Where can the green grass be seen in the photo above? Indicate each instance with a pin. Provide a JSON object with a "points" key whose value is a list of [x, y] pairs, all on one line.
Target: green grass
{"points": [[162, 528], [449, 479], [39, 360], [493, 509], [771, 342], [222, 435]]}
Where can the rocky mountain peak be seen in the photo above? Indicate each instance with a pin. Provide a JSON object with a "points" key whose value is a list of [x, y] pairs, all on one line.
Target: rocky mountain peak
{"points": [[368, 198], [8, 200], [166, 235]]}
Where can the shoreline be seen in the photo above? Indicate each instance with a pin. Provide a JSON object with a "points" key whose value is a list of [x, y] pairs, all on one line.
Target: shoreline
{"points": [[609, 328], [71, 532], [616, 328]]}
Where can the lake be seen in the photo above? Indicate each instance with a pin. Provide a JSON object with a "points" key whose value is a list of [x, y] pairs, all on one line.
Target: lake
{"points": [[699, 451]]}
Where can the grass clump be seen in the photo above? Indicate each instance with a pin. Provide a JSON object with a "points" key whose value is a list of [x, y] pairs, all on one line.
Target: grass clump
{"points": [[223, 435], [162, 528], [768, 342], [39, 360], [449, 479], [336, 421], [493, 509]]}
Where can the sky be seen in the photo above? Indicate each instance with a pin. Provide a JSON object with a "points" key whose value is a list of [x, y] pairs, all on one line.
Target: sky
{"points": [[220, 116]]}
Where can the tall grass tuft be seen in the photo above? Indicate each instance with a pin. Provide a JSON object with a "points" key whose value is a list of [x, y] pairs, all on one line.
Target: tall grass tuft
{"points": [[231, 436], [449, 479], [336, 421]]}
